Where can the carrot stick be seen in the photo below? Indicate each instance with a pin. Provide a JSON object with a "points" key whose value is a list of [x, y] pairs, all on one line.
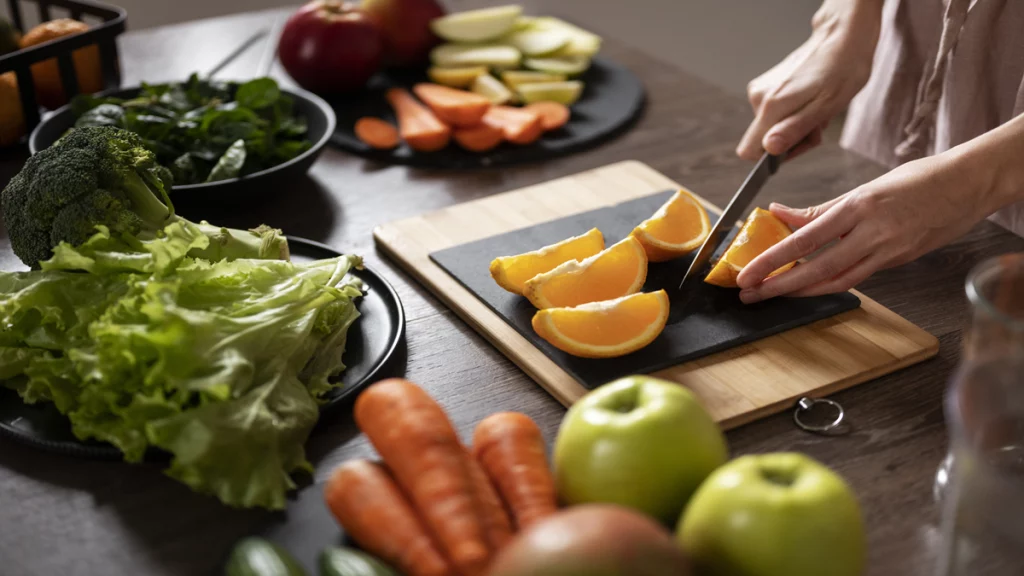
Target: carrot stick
{"points": [[419, 445], [418, 126], [368, 504], [492, 510], [454, 106], [376, 133], [520, 126], [510, 448], [480, 138], [553, 115]]}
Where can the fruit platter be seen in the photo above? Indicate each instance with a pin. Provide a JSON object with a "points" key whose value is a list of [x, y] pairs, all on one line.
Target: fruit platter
{"points": [[411, 84]]}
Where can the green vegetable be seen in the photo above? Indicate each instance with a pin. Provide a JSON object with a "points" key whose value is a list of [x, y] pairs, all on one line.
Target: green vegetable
{"points": [[348, 562], [258, 557], [192, 126], [103, 176]]}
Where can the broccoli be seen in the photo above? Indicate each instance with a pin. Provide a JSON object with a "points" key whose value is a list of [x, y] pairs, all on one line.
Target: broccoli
{"points": [[105, 176]]}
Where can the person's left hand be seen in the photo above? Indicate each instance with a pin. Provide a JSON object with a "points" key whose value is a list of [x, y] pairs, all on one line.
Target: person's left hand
{"points": [[892, 220]]}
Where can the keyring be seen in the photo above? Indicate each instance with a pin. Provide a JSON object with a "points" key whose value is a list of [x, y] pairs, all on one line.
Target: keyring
{"points": [[805, 404]]}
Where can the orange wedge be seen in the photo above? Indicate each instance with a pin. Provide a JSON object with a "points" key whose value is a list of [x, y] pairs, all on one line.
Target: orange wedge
{"points": [[761, 231], [605, 329], [617, 271], [512, 272], [679, 227]]}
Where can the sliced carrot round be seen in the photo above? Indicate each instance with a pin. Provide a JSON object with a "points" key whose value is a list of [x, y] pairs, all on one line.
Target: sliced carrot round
{"points": [[552, 114], [376, 133]]}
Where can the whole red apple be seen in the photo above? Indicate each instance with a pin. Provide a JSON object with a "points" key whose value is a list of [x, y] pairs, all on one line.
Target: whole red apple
{"points": [[406, 25], [330, 46]]}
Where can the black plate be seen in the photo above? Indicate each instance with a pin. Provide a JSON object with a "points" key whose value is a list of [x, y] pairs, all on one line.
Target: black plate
{"points": [[372, 341], [713, 320], [203, 201], [613, 98]]}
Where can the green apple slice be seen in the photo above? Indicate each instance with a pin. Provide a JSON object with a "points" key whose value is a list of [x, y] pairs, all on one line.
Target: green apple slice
{"points": [[501, 56], [455, 77], [581, 42], [524, 22], [515, 78], [568, 65], [477, 25], [535, 42], [562, 92], [491, 88]]}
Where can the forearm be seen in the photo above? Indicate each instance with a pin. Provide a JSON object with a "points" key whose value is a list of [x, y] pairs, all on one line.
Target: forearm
{"points": [[992, 166]]}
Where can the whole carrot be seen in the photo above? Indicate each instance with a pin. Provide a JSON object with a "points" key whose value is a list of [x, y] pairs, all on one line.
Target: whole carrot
{"points": [[492, 510], [510, 448], [420, 447], [365, 500]]}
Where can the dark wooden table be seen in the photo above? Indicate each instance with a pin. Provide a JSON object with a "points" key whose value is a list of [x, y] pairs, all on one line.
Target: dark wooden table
{"points": [[62, 515]]}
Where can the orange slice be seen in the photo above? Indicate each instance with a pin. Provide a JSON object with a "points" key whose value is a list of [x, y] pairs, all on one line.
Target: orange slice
{"points": [[618, 271], [512, 272], [761, 231], [605, 329], [679, 227]]}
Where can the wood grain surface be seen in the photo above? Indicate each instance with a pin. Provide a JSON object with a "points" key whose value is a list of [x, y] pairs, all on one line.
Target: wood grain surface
{"points": [[60, 515], [737, 385]]}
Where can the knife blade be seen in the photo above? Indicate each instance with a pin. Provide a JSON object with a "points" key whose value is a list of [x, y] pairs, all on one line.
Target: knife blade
{"points": [[765, 167]]}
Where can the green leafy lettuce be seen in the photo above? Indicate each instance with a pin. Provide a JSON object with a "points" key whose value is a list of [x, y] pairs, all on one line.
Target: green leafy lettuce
{"points": [[222, 364]]}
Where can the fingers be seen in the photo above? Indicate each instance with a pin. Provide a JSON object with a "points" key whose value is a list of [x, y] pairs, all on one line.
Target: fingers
{"points": [[773, 108], [800, 217], [789, 131], [832, 263], [846, 280], [811, 141], [831, 224]]}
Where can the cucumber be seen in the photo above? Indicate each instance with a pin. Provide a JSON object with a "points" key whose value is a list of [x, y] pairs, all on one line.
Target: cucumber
{"points": [[258, 557], [348, 562]]}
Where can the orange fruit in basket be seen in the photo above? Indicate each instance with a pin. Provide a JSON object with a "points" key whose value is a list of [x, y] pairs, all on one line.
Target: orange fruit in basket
{"points": [[761, 231], [617, 271], [12, 121], [605, 329], [512, 272], [46, 75], [679, 227]]}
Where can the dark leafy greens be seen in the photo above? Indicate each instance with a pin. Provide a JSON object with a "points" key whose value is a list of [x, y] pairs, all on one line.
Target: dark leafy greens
{"points": [[205, 131]]}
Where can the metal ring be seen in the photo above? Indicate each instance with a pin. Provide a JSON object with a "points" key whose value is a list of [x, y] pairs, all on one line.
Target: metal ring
{"points": [[805, 404]]}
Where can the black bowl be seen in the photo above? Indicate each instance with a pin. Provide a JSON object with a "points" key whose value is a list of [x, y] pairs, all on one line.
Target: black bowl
{"points": [[204, 201]]}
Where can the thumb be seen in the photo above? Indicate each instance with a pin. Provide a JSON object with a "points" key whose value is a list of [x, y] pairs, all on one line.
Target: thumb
{"points": [[800, 217]]}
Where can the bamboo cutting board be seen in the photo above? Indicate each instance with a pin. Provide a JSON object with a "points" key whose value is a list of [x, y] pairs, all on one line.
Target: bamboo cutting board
{"points": [[737, 385]]}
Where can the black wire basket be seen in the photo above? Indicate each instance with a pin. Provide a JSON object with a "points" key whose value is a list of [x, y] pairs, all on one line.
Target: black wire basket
{"points": [[106, 23]]}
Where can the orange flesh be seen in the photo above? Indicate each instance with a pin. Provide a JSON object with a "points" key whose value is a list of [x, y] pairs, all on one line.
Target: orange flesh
{"points": [[516, 270], [680, 223], [611, 274], [589, 324]]}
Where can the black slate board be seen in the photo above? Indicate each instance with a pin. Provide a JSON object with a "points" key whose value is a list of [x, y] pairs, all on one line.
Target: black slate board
{"points": [[373, 340], [713, 320], [612, 99]]}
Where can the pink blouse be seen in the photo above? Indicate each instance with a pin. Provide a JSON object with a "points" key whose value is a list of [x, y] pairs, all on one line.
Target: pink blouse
{"points": [[945, 71]]}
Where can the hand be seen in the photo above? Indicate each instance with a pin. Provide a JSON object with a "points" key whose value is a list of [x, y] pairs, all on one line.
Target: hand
{"points": [[800, 95], [890, 221]]}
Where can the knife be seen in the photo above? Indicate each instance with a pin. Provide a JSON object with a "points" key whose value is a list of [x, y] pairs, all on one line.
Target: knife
{"points": [[765, 167]]}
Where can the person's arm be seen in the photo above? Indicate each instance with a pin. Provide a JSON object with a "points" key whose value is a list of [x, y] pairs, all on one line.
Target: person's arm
{"points": [[798, 97], [894, 219]]}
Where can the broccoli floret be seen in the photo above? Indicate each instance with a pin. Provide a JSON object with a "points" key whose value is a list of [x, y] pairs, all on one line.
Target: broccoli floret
{"points": [[105, 176]]}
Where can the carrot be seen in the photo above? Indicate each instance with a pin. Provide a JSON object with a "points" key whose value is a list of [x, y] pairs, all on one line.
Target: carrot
{"points": [[479, 138], [454, 106], [553, 115], [510, 448], [520, 126], [419, 445], [492, 510], [376, 133], [417, 125], [368, 504]]}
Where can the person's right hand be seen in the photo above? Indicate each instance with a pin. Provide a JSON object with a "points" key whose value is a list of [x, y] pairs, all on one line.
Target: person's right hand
{"points": [[800, 95]]}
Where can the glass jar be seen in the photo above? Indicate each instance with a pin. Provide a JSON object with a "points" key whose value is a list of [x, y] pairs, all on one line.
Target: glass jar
{"points": [[980, 484]]}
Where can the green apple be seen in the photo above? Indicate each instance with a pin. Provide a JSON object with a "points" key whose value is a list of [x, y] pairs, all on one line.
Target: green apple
{"points": [[638, 442], [773, 515]]}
